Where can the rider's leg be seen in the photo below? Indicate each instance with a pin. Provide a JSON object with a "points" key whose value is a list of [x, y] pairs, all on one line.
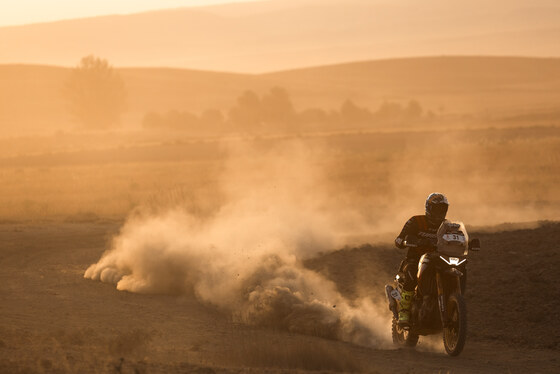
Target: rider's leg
{"points": [[408, 271], [404, 308]]}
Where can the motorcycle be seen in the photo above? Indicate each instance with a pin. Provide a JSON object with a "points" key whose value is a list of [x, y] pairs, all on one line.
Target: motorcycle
{"points": [[438, 304]]}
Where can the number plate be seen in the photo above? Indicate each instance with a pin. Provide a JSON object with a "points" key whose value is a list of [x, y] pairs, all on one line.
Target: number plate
{"points": [[454, 238]]}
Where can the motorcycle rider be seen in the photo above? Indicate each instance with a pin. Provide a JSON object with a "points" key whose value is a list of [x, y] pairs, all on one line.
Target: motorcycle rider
{"points": [[422, 230]]}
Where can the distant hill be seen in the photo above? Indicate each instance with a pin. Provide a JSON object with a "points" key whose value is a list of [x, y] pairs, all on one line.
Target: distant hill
{"points": [[461, 84], [31, 98], [281, 34]]}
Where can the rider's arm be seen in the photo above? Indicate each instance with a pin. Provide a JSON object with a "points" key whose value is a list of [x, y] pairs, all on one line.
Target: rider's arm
{"points": [[410, 228]]}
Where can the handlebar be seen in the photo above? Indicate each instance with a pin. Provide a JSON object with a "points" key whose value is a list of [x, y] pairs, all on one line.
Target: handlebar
{"points": [[414, 242], [409, 245]]}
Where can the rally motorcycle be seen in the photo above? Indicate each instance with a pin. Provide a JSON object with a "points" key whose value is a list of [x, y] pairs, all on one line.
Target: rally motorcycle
{"points": [[438, 304]]}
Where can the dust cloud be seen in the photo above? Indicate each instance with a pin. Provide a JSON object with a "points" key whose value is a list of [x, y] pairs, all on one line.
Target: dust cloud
{"points": [[246, 257]]}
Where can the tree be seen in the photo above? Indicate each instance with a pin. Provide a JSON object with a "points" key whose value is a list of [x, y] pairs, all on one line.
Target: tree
{"points": [[413, 110], [96, 93], [277, 107], [247, 113], [354, 115]]}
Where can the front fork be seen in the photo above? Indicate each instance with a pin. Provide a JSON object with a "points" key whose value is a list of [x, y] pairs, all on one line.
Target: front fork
{"points": [[442, 298]]}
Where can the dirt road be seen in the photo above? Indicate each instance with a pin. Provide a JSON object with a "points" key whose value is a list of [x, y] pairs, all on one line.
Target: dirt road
{"points": [[53, 320]]}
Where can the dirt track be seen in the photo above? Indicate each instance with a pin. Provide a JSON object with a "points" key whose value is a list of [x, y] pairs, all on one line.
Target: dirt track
{"points": [[54, 320]]}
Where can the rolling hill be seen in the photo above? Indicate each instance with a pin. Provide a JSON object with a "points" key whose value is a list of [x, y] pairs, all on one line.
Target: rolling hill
{"points": [[278, 35], [31, 96]]}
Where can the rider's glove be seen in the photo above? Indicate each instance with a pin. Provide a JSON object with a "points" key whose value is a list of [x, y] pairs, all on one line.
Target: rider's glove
{"points": [[411, 241]]}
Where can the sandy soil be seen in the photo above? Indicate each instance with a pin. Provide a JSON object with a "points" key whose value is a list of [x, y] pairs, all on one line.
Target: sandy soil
{"points": [[53, 320]]}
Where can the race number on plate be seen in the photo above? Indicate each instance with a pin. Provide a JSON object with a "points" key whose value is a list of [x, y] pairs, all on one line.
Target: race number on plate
{"points": [[454, 238]]}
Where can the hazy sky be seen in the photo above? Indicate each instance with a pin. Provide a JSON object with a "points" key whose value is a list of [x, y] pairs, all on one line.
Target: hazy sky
{"points": [[19, 12]]}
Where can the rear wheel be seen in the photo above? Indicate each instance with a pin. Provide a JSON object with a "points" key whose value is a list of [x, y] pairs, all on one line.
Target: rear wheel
{"points": [[403, 337], [455, 333]]}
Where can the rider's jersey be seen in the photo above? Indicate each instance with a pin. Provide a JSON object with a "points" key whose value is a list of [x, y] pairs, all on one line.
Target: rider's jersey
{"points": [[420, 227]]}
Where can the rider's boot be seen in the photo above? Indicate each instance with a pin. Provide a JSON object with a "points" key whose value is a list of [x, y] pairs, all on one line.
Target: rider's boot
{"points": [[404, 308]]}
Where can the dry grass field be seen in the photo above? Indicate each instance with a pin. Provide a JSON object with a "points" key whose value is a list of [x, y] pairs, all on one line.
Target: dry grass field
{"points": [[492, 175]]}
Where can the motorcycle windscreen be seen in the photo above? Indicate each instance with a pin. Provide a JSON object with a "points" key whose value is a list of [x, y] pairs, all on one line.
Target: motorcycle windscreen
{"points": [[452, 239]]}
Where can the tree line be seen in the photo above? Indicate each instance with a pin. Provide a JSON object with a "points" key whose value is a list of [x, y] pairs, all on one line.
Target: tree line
{"points": [[96, 96], [274, 111]]}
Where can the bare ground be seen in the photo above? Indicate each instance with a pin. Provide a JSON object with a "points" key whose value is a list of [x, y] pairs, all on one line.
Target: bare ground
{"points": [[53, 320]]}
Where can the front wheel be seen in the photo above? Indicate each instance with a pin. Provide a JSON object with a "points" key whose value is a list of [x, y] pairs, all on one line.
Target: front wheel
{"points": [[455, 333], [402, 337]]}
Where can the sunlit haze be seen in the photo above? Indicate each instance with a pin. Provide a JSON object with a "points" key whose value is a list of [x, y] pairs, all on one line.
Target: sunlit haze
{"points": [[236, 173], [33, 11]]}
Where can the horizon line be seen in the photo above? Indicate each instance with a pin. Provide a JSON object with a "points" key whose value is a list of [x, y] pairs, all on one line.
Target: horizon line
{"points": [[303, 67]]}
